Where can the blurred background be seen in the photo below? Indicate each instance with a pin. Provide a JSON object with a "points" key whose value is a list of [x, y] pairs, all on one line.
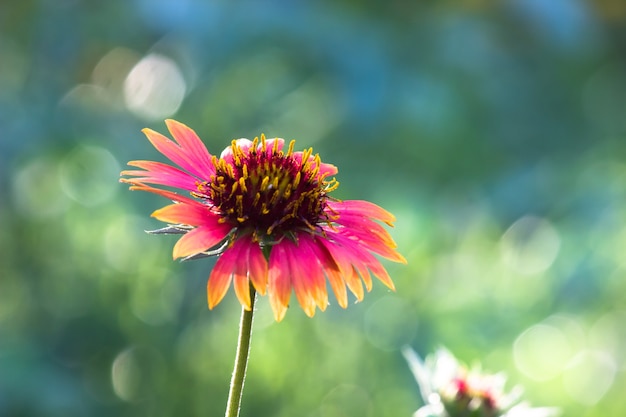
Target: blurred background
{"points": [[494, 130]]}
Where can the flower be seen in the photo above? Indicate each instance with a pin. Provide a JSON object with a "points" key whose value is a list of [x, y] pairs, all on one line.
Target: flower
{"points": [[449, 389], [266, 212]]}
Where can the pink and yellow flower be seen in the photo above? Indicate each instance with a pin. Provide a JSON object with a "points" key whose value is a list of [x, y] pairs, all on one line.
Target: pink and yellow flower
{"points": [[269, 213]]}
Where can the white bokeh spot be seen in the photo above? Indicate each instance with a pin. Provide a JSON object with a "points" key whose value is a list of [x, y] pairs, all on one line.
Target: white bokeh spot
{"points": [[154, 88]]}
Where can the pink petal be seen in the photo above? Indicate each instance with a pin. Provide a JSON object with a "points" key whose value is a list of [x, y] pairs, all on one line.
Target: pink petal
{"points": [[361, 268], [371, 234], [331, 269], [191, 214], [241, 282], [162, 174], [164, 193], [193, 146], [353, 255], [257, 267], [221, 276], [306, 277], [361, 259], [328, 170], [362, 208], [354, 284], [373, 243], [366, 225], [300, 287], [198, 240], [269, 145], [182, 157], [243, 144], [317, 283], [325, 170], [381, 273], [374, 265], [279, 280], [343, 259]]}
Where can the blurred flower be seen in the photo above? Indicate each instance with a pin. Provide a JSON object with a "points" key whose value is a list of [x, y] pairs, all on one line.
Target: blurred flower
{"points": [[449, 389], [268, 214]]}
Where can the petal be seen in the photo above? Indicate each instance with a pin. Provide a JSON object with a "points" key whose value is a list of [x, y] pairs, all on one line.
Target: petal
{"points": [[257, 267], [193, 146], [338, 285], [371, 234], [364, 262], [241, 282], [298, 156], [331, 269], [328, 170], [300, 287], [354, 283], [191, 214], [348, 251], [315, 271], [362, 208], [198, 240], [325, 170], [164, 193], [355, 256], [363, 259], [372, 243], [302, 264], [380, 272], [181, 157], [271, 145], [367, 226], [348, 273], [242, 143], [361, 268], [221, 276], [279, 280], [162, 174]]}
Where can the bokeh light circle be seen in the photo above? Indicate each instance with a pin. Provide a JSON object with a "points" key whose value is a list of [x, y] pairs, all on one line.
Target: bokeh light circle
{"points": [[390, 323], [541, 352], [588, 376], [88, 175], [138, 373], [155, 87], [37, 190], [125, 375], [530, 245]]}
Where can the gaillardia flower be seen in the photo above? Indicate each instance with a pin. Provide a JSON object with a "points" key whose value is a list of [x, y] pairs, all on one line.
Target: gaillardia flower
{"points": [[449, 389], [267, 213]]}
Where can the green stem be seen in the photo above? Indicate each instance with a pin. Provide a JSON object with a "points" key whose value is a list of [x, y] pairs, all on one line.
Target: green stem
{"points": [[241, 360]]}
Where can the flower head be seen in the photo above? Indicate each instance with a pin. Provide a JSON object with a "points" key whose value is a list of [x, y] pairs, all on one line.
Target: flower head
{"points": [[449, 389], [267, 213]]}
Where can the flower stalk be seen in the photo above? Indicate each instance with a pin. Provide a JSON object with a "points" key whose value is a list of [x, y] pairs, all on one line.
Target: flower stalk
{"points": [[241, 358]]}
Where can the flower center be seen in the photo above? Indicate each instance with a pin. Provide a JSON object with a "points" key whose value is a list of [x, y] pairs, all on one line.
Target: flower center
{"points": [[269, 192], [467, 397]]}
